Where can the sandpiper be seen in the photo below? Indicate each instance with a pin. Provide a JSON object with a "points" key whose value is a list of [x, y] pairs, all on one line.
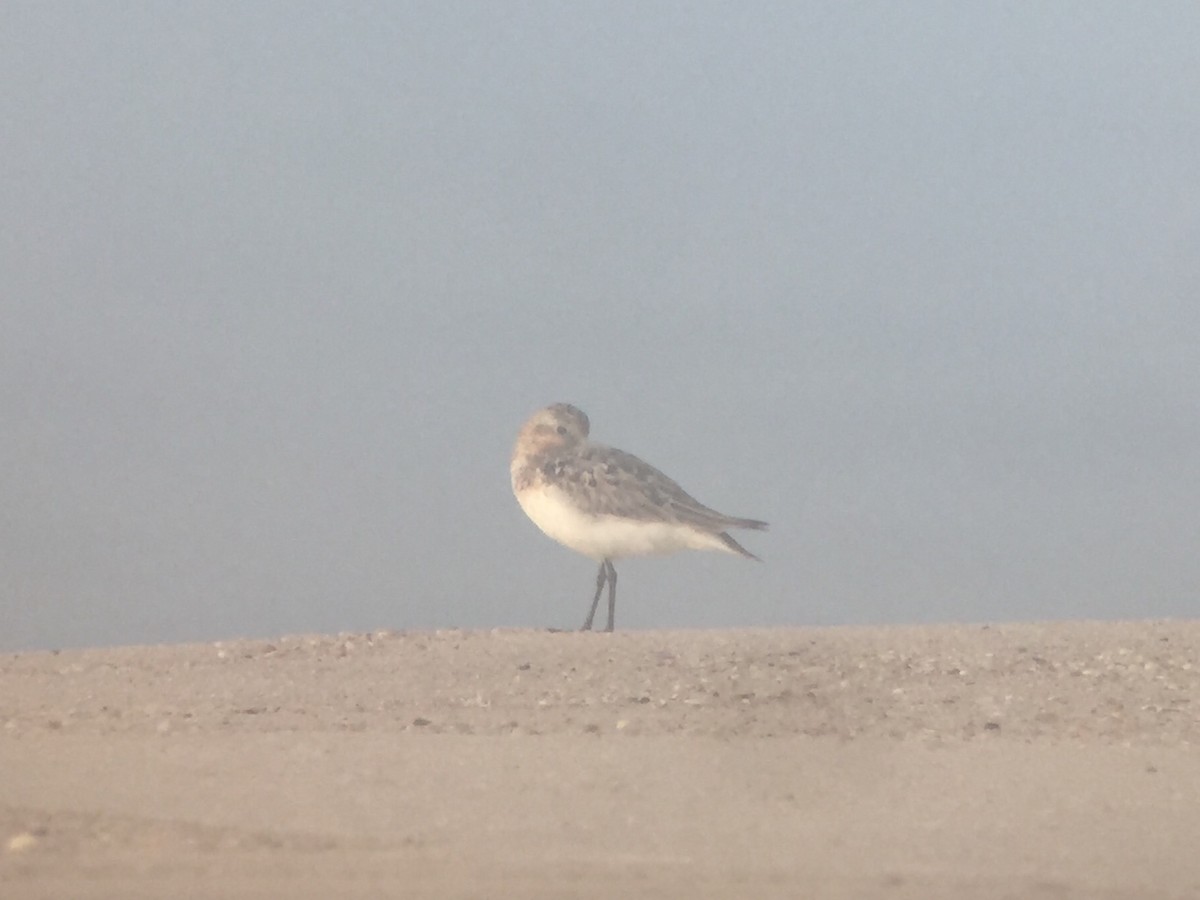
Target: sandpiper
{"points": [[606, 503]]}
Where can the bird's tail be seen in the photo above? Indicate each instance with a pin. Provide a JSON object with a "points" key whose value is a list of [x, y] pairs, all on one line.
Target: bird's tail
{"points": [[754, 524], [733, 546]]}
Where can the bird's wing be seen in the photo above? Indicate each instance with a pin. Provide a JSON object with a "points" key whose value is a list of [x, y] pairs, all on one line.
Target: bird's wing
{"points": [[607, 481]]}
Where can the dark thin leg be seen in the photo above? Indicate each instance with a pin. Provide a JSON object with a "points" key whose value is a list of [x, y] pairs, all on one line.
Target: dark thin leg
{"points": [[612, 592], [601, 577]]}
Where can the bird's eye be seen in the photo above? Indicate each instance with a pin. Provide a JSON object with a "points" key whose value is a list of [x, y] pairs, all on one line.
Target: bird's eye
{"points": [[562, 429]]}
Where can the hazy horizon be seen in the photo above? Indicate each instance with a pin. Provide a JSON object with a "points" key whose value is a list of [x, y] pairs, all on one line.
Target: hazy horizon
{"points": [[915, 284]]}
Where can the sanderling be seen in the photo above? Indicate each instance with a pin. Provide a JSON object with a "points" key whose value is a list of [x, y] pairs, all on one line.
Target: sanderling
{"points": [[606, 503]]}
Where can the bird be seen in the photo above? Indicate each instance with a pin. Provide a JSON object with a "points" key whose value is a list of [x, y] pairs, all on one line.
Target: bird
{"points": [[608, 504]]}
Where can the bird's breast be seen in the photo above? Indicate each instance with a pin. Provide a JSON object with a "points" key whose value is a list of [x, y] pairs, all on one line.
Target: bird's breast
{"points": [[604, 536]]}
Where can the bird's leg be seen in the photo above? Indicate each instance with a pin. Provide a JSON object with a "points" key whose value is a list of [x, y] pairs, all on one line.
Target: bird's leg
{"points": [[601, 576], [612, 592]]}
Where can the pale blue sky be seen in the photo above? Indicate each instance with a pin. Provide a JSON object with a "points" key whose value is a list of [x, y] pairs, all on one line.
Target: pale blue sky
{"points": [[917, 283]]}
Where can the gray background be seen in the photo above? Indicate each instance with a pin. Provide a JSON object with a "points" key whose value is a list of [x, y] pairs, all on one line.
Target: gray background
{"points": [[915, 282]]}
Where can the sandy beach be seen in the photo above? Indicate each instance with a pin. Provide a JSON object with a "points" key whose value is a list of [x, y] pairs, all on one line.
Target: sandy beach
{"points": [[967, 761]]}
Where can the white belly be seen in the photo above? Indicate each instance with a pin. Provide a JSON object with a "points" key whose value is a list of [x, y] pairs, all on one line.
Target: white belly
{"points": [[608, 537]]}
